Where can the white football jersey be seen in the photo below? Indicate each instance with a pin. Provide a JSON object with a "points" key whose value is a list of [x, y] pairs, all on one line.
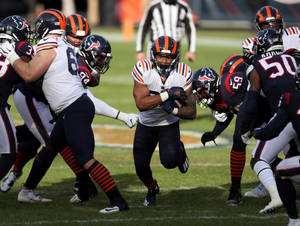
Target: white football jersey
{"points": [[61, 84], [145, 74], [290, 38]]}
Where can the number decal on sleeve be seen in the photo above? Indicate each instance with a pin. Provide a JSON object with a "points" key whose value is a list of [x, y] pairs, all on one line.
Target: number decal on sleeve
{"points": [[289, 65], [237, 82], [72, 62]]}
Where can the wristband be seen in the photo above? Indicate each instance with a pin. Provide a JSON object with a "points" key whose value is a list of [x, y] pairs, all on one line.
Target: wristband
{"points": [[117, 115], [164, 96], [175, 111], [12, 57]]}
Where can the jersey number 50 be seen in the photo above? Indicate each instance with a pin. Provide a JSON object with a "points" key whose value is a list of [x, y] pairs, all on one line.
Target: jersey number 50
{"points": [[281, 67]]}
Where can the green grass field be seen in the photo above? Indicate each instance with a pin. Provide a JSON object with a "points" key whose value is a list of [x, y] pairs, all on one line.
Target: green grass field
{"points": [[196, 198]]}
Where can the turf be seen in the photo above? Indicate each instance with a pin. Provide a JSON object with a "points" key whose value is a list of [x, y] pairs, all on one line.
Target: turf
{"points": [[195, 198]]}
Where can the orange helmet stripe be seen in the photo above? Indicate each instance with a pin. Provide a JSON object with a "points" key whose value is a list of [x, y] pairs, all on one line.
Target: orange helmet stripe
{"points": [[174, 48], [157, 46], [268, 11], [235, 64], [223, 65], [60, 17], [73, 26], [80, 22]]}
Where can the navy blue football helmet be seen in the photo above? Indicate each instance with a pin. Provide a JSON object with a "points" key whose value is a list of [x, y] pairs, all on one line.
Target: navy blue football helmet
{"points": [[96, 52], [267, 40], [234, 63], [15, 28], [205, 85], [164, 45], [50, 21]]}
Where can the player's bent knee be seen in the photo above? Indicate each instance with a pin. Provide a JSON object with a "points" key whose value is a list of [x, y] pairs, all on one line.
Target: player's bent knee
{"points": [[254, 161]]}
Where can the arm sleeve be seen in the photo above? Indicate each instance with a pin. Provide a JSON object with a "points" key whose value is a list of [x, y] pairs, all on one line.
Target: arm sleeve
{"points": [[190, 30], [221, 126], [102, 108], [274, 126], [251, 106], [143, 29]]}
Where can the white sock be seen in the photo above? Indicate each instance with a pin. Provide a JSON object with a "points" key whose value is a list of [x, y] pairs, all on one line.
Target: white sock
{"points": [[266, 177]]}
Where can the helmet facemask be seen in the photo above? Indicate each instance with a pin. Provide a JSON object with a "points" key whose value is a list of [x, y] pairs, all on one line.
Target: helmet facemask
{"points": [[205, 86]]}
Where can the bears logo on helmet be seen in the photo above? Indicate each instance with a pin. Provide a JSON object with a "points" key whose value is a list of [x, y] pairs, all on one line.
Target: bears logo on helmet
{"points": [[234, 63]]}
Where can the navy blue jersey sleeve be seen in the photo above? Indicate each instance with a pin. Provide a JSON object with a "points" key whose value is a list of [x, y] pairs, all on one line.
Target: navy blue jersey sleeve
{"points": [[221, 126], [274, 126]]}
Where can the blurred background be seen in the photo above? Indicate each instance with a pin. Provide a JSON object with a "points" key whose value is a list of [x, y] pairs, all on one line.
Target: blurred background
{"points": [[208, 14]]}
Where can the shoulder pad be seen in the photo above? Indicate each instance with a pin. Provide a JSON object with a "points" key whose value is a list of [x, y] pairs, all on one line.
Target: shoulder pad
{"points": [[291, 31], [183, 69], [24, 49], [247, 44], [186, 71], [46, 43], [140, 69]]}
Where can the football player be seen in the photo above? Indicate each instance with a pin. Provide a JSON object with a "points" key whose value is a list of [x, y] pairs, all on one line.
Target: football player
{"points": [[269, 17], [225, 97], [273, 81], [162, 93], [12, 29], [288, 169], [93, 56], [67, 98]]}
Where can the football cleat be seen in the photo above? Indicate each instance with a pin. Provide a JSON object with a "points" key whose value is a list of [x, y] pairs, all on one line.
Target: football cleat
{"points": [[234, 198], [9, 181], [150, 199], [257, 192], [29, 195], [272, 206], [84, 190], [114, 207], [293, 222]]}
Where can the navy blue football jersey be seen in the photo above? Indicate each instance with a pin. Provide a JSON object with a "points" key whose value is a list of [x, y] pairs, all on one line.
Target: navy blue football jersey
{"points": [[233, 89], [8, 77], [277, 74], [83, 71], [288, 111]]}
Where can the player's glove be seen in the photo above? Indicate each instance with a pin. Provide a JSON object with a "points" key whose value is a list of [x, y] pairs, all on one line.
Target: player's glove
{"points": [[294, 53], [168, 106], [220, 117], [129, 119], [248, 57], [7, 49], [177, 93], [208, 136], [246, 137]]}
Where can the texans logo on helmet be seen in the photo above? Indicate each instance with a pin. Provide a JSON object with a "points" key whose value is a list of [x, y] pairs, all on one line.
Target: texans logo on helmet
{"points": [[93, 45], [205, 78], [20, 23]]}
